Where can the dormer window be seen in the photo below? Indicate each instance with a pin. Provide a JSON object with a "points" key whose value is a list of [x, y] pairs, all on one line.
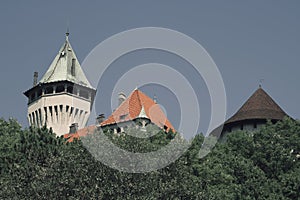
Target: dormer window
{"points": [[62, 53], [73, 67], [122, 117]]}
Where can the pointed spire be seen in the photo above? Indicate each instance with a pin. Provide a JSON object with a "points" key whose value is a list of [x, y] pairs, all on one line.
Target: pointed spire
{"points": [[60, 68]]}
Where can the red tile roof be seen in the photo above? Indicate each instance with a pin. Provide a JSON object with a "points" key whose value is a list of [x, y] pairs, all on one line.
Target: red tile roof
{"points": [[81, 132], [137, 103], [131, 109]]}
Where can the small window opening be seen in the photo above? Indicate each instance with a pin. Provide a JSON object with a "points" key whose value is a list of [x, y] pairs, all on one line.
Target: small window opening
{"points": [[60, 89], [118, 130], [49, 90], [73, 67], [122, 117], [84, 94]]}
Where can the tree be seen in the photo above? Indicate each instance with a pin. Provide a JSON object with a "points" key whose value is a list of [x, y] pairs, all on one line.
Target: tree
{"points": [[35, 164]]}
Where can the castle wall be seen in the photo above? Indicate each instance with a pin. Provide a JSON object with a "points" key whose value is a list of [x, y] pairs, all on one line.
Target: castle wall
{"points": [[59, 111]]}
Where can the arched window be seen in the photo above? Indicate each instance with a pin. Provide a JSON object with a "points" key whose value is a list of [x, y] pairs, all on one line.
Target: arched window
{"points": [[118, 130]]}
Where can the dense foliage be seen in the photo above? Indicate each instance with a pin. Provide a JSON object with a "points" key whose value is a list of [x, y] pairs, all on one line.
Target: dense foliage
{"points": [[34, 164]]}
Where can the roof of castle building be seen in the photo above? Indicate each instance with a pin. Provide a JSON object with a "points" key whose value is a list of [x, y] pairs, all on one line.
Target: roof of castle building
{"points": [[259, 106], [61, 67], [139, 105], [80, 133]]}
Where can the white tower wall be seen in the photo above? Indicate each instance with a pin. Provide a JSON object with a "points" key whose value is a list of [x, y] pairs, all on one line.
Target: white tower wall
{"points": [[59, 111], [63, 96]]}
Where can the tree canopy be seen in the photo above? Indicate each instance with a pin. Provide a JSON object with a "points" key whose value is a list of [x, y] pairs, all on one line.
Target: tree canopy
{"points": [[35, 164]]}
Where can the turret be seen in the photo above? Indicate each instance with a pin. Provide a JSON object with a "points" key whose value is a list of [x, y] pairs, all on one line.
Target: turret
{"points": [[63, 96]]}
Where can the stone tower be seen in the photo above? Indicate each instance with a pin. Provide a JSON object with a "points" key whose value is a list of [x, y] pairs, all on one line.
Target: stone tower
{"points": [[63, 97]]}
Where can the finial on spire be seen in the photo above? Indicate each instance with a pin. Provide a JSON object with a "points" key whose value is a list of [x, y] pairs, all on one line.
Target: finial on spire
{"points": [[260, 82], [67, 33]]}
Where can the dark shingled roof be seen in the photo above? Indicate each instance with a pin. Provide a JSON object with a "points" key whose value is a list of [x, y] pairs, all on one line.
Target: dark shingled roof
{"points": [[259, 106]]}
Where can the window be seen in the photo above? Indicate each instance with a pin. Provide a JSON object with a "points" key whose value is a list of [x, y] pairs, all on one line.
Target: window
{"points": [[39, 93], [46, 115], [55, 110], [32, 97], [40, 117], [49, 90], [60, 89], [50, 111], [33, 119], [122, 117], [70, 89], [73, 67], [118, 130], [84, 94], [255, 125], [71, 111]]}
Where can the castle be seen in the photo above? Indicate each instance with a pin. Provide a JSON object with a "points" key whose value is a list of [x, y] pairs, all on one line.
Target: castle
{"points": [[63, 98]]}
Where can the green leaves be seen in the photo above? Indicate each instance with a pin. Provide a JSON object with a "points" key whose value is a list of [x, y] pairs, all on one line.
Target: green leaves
{"points": [[35, 164]]}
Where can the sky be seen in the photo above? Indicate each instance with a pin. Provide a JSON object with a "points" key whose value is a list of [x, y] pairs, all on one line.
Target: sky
{"points": [[248, 41]]}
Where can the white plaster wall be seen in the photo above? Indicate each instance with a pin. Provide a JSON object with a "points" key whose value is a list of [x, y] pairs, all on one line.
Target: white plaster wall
{"points": [[62, 119]]}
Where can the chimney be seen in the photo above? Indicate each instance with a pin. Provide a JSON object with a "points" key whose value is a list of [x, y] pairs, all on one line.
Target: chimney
{"points": [[100, 119], [73, 128], [121, 98], [35, 77]]}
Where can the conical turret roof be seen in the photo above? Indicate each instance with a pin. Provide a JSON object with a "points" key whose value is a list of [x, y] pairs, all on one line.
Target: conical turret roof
{"points": [[66, 67], [259, 106]]}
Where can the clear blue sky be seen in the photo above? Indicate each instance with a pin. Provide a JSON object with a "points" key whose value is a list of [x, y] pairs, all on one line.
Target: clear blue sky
{"points": [[248, 41]]}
